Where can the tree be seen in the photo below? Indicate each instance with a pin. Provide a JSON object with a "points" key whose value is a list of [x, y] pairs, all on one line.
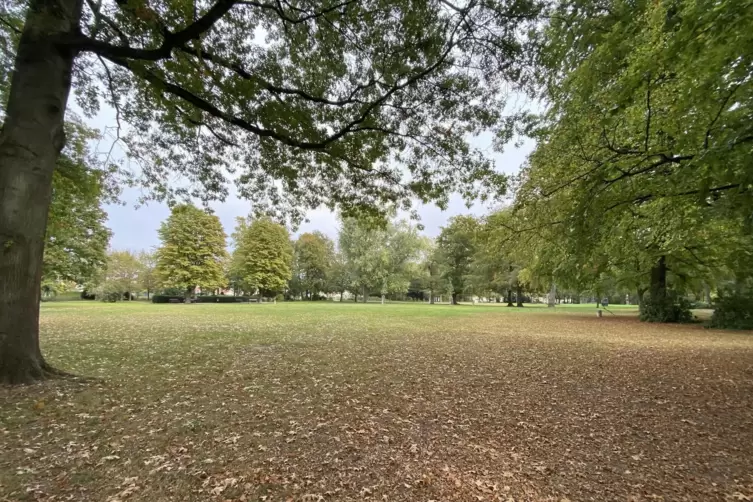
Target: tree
{"points": [[120, 278], [496, 263], [147, 274], [339, 276], [641, 155], [456, 246], [361, 243], [330, 108], [314, 253], [263, 256], [76, 237], [434, 278], [402, 250], [192, 252]]}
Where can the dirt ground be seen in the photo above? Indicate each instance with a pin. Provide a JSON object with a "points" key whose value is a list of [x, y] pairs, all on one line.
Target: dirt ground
{"points": [[384, 403]]}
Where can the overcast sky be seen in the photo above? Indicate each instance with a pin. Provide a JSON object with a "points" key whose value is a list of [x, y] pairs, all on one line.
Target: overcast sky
{"points": [[136, 228]]}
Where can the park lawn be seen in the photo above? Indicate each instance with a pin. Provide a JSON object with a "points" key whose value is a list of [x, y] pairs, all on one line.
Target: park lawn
{"points": [[323, 401]]}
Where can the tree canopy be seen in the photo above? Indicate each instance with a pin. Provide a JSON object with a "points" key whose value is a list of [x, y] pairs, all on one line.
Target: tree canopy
{"points": [[192, 252], [641, 164], [312, 264], [456, 246], [77, 237], [263, 256]]}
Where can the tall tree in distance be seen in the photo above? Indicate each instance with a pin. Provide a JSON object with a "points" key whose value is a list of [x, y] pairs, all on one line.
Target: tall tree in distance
{"points": [[314, 253], [263, 256], [402, 248], [361, 243], [340, 278], [456, 246], [120, 277], [331, 119], [148, 274], [192, 252]]}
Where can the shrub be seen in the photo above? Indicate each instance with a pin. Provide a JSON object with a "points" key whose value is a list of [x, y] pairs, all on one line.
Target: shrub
{"points": [[733, 310], [280, 297], [109, 296], [167, 299], [87, 295], [670, 308]]}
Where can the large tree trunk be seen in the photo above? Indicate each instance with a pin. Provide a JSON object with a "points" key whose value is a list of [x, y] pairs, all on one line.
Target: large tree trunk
{"points": [[509, 297], [431, 297], [552, 297], [454, 298], [30, 143], [364, 294], [658, 288], [518, 295], [640, 292]]}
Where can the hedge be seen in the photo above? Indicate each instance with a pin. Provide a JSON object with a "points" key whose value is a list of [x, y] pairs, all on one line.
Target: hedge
{"points": [[167, 299], [200, 299], [221, 299]]}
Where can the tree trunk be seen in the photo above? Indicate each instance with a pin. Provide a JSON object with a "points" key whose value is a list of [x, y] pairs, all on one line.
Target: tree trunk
{"points": [[454, 298], [552, 297], [518, 295], [640, 292], [509, 297], [363, 293], [659, 279], [189, 294], [341, 295], [431, 297], [382, 298], [30, 143]]}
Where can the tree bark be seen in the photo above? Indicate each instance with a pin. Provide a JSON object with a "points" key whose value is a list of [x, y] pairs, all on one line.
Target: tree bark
{"points": [[552, 297], [518, 295], [659, 279], [640, 292], [454, 298], [509, 297], [363, 293], [431, 297], [30, 144]]}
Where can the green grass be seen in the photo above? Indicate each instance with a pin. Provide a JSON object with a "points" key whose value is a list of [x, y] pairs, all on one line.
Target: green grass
{"points": [[329, 401]]}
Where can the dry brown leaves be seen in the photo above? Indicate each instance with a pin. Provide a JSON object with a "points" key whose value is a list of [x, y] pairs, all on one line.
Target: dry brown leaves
{"points": [[384, 403]]}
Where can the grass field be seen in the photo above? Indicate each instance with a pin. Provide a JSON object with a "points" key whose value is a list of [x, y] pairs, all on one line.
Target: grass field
{"points": [[318, 402]]}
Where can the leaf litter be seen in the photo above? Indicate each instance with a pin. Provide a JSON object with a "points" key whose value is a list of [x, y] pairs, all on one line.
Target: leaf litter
{"points": [[297, 402]]}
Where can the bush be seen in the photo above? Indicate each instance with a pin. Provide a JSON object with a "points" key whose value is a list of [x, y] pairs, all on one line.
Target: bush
{"points": [[671, 308], [733, 310], [280, 297], [109, 296], [167, 299], [87, 295]]}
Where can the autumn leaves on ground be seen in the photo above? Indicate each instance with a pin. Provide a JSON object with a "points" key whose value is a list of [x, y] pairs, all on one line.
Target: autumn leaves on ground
{"points": [[310, 402]]}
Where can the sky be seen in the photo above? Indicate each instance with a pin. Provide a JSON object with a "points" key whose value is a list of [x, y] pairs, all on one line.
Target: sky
{"points": [[135, 229]]}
